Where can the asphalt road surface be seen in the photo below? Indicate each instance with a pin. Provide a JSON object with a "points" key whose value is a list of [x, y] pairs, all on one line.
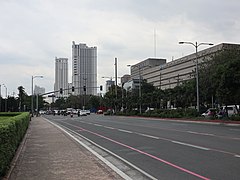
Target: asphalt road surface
{"points": [[163, 149]]}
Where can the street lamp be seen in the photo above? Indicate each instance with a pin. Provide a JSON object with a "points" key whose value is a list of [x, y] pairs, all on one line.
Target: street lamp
{"points": [[0, 98], [6, 98], [196, 45], [32, 92]]}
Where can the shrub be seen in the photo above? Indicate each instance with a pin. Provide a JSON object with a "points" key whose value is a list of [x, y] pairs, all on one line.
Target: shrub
{"points": [[165, 113], [235, 118], [12, 131]]}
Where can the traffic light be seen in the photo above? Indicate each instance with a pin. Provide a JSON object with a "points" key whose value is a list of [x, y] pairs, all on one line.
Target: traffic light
{"points": [[101, 88], [84, 88], [72, 88], [61, 90]]}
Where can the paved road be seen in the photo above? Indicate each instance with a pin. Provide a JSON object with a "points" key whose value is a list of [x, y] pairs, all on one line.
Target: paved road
{"points": [[164, 149]]}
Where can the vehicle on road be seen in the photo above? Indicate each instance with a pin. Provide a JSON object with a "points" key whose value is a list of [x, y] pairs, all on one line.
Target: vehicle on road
{"points": [[100, 111], [210, 113], [83, 113], [230, 110], [88, 112]]}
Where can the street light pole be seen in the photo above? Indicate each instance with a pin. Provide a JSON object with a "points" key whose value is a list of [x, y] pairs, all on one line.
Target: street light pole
{"points": [[6, 98], [115, 84], [140, 90], [196, 45], [0, 98], [32, 93]]}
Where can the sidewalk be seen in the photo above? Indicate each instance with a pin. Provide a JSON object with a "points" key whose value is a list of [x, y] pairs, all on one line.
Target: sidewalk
{"points": [[47, 153]]}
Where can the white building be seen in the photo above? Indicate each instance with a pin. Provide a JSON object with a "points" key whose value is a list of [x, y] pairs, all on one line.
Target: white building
{"points": [[84, 69], [61, 76], [39, 90]]}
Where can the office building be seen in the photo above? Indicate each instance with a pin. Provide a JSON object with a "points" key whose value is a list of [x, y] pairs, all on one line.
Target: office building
{"points": [[125, 78], [171, 74], [84, 69], [138, 69], [61, 76]]}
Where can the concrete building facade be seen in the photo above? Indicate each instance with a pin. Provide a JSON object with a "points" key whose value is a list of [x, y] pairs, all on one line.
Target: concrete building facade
{"points": [[61, 76], [84, 69], [171, 74], [139, 68], [125, 78]]}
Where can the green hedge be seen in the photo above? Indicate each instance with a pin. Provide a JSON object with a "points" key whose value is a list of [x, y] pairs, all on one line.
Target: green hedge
{"points": [[12, 130], [175, 113], [9, 114], [165, 113]]}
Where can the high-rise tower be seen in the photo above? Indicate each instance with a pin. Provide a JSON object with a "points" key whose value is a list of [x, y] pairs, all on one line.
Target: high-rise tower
{"points": [[61, 76], [84, 69]]}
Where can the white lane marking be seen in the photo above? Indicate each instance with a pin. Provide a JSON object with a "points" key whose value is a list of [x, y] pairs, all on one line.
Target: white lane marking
{"points": [[206, 134], [238, 156], [118, 171], [98, 125], [110, 152], [122, 130], [108, 127], [190, 145], [234, 129], [237, 138], [146, 135], [87, 122]]}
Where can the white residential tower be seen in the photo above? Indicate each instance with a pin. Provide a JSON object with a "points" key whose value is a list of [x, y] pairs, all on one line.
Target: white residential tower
{"points": [[84, 69], [61, 76]]}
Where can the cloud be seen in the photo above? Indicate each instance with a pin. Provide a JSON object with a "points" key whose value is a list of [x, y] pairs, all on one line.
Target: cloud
{"points": [[33, 33]]}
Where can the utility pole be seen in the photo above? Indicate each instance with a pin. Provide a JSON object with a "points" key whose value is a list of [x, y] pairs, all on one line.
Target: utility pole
{"points": [[115, 84], [0, 98]]}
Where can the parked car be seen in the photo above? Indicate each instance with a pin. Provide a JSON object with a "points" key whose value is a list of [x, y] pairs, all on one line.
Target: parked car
{"points": [[231, 110], [210, 113], [149, 109]]}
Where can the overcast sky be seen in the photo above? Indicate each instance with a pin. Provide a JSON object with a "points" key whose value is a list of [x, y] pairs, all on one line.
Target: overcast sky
{"points": [[34, 32]]}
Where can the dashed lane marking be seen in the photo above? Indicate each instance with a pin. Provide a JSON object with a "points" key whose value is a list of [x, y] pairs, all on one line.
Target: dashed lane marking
{"points": [[126, 131], [191, 145], [149, 136]]}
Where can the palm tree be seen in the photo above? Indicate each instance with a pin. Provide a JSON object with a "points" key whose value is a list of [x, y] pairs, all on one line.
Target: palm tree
{"points": [[22, 96]]}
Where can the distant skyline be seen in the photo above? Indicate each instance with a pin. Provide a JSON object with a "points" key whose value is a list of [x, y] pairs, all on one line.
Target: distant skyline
{"points": [[33, 33]]}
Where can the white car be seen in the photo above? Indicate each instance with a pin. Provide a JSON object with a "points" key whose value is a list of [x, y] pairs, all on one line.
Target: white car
{"points": [[231, 109], [83, 113], [88, 112]]}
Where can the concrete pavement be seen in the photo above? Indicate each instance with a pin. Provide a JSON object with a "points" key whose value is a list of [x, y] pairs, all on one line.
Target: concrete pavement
{"points": [[48, 153]]}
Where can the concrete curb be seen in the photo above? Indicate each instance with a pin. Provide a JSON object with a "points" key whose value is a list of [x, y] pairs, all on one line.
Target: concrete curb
{"points": [[216, 122]]}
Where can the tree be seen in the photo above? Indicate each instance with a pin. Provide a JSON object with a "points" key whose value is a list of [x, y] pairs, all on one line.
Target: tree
{"points": [[94, 102], [220, 78], [22, 98]]}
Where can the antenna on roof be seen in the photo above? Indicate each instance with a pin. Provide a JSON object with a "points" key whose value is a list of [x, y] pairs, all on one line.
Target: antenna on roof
{"points": [[155, 43]]}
